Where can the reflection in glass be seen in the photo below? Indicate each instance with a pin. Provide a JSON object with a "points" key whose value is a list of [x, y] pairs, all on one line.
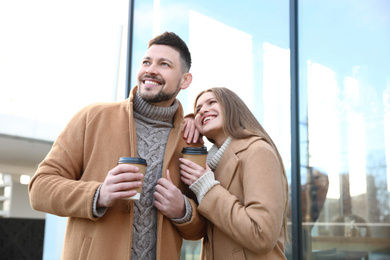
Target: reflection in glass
{"points": [[241, 45], [345, 129]]}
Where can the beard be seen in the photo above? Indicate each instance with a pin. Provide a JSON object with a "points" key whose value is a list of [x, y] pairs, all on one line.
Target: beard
{"points": [[158, 97]]}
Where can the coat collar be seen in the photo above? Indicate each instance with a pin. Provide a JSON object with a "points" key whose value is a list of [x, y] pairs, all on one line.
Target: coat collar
{"points": [[178, 118], [227, 166]]}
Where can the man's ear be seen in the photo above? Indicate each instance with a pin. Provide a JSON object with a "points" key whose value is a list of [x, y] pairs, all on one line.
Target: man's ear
{"points": [[186, 80]]}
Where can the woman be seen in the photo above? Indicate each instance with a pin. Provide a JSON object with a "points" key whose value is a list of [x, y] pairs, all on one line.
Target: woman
{"points": [[243, 191]]}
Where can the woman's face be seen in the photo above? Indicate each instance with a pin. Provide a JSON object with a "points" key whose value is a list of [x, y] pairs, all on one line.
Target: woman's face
{"points": [[209, 118]]}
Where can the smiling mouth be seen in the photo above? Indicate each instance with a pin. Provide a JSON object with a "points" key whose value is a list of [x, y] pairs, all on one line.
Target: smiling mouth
{"points": [[207, 118], [150, 82]]}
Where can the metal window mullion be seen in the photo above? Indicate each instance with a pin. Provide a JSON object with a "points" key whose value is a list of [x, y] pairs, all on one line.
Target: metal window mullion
{"points": [[129, 48], [296, 212]]}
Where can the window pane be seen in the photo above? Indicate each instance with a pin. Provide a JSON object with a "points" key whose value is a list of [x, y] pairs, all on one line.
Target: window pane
{"points": [[344, 86], [241, 45], [55, 58]]}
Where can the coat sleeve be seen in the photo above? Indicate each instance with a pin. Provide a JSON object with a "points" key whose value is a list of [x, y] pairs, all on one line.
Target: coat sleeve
{"points": [[194, 229], [56, 187], [255, 221]]}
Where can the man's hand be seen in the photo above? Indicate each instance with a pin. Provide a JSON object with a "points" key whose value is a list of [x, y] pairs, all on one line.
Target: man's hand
{"points": [[169, 199], [120, 183]]}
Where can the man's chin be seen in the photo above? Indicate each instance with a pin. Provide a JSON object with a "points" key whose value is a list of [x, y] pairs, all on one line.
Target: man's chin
{"points": [[155, 95], [148, 92]]}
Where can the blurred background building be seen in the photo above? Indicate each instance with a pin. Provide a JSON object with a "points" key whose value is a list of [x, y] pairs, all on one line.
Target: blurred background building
{"points": [[58, 56]]}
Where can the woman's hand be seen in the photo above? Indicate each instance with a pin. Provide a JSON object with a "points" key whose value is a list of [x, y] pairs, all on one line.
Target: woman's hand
{"points": [[190, 171], [190, 132]]}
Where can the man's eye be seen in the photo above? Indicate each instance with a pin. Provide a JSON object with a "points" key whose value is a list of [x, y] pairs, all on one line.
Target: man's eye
{"points": [[165, 64], [145, 62]]}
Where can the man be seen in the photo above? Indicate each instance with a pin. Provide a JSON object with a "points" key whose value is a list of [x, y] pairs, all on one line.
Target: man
{"points": [[80, 179]]}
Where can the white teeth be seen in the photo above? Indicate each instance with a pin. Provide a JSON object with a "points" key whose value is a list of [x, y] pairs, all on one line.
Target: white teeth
{"points": [[207, 119], [150, 82]]}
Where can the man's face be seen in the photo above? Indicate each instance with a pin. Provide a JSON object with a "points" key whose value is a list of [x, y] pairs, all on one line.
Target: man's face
{"points": [[160, 77]]}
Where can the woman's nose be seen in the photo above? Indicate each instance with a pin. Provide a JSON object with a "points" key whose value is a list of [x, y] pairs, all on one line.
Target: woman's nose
{"points": [[203, 110]]}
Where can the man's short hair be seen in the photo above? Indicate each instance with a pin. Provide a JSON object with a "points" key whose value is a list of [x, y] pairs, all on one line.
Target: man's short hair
{"points": [[174, 41]]}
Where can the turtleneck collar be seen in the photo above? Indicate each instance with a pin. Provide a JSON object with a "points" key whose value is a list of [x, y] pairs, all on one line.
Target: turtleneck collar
{"points": [[155, 113], [215, 153]]}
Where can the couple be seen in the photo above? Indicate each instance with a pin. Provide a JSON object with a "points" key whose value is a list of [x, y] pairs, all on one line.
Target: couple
{"points": [[237, 204]]}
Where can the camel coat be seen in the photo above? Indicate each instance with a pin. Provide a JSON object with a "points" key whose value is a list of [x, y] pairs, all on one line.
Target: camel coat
{"points": [[67, 179], [245, 211]]}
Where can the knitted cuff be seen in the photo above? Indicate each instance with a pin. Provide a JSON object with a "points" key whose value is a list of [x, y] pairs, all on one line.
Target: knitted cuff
{"points": [[97, 212], [202, 185], [187, 216]]}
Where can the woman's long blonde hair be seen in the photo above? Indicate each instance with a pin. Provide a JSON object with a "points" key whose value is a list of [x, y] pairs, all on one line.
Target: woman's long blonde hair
{"points": [[240, 123]]}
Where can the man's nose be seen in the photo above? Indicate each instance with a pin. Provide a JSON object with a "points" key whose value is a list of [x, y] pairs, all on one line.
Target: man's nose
{"points": [[151, 69]]}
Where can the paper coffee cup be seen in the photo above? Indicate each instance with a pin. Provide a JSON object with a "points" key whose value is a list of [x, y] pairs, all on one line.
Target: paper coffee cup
{"points": [[141, 164], [197, 155]]}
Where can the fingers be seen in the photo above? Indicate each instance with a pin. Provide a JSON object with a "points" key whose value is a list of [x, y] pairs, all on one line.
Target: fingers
{"points": [[119, 183], [121, 168], [166, 184], [189, 164], [169, 176], [196, 135], [169, 199], [190, 171], [188, 125], [191, 133], [187, 178], [185, 129]]}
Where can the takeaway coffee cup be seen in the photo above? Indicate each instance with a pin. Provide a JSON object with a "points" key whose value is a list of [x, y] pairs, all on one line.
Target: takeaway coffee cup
{"points": [[141, 164], [196, 154]]}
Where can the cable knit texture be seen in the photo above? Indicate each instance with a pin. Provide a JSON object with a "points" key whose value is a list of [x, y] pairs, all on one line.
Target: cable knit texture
{"points": [[153, 124], [202, 185], [215, 154]]}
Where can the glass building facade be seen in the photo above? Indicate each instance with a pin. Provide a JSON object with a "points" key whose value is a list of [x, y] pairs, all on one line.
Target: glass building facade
{"points": [[316, 74]]}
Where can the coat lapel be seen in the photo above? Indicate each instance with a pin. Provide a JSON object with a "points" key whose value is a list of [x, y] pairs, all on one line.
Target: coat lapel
{"points": [[226, 168], [132, 128], [229, 162]]}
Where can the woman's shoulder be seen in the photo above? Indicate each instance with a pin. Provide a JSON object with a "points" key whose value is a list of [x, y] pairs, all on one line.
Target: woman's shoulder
{"points": [[252, 142]]}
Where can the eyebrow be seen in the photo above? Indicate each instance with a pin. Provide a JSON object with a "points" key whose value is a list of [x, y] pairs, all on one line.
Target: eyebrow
{"points": [[207, 100], [160, 59]]}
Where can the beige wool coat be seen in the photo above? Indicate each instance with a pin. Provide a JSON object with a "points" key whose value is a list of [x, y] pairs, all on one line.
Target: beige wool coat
{"points": [[245, 211], [67, 179]]}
